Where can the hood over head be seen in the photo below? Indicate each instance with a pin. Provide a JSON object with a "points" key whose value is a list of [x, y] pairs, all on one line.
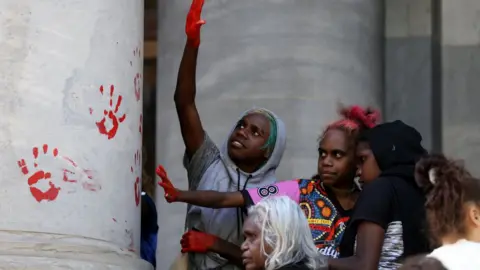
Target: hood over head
{"points": [[268, 169], [396, 147]]}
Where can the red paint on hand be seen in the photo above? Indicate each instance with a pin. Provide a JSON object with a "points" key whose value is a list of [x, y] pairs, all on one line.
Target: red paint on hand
{"points": [[111, 114], [194, 23], [198, 242], [171, 193]]}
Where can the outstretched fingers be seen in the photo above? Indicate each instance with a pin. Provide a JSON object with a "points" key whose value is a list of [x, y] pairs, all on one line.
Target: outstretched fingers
{"points": [[197, 5], [161, 172]]}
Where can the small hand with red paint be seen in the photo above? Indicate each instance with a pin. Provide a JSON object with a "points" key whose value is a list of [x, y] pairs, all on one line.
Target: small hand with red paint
{"points": [[198, 242], [171, 193], [194, 23]]}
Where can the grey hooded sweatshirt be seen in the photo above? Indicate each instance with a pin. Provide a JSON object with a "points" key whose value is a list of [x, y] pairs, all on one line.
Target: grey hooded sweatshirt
{"points": [[210, 168]]}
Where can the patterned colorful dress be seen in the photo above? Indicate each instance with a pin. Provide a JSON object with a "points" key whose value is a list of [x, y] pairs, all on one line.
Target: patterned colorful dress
{"points": [[326, 217]]}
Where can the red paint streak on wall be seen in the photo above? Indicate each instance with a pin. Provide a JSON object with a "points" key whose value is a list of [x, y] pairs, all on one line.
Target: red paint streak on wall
{"points": [[136, 169], [138, 191], [137, 79], [137, 85], [111, 114], [141, 123], [88, 173]]}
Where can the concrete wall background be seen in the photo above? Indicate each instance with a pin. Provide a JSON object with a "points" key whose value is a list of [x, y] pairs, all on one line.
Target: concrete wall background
{"points": [[408, 68], [461, 80]]}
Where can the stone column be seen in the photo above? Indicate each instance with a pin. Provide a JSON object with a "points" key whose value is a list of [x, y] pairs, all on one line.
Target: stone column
{"points": [[408, 65], [70, 74], [297, 58], [460, 32]]}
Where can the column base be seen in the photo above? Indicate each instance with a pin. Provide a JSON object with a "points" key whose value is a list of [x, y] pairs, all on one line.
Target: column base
{"points": [[42, 251]]}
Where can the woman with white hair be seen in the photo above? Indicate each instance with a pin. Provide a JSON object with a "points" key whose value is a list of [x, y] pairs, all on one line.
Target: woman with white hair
{"points": [[277, 237]]}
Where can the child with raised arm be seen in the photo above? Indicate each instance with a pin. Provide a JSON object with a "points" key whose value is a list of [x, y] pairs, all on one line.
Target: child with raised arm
{"points": [[247, 159]]}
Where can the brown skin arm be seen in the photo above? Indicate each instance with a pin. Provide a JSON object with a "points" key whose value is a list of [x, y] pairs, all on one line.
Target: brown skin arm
{"points": [[185, 91], [370, 238], [211, 199], [229, 251]]}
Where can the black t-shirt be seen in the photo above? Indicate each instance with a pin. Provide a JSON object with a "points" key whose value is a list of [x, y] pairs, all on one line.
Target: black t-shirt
{"points": [[396, 205]]}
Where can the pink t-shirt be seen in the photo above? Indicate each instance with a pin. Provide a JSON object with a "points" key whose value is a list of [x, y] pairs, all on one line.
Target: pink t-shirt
{"points": [[288, 188]]}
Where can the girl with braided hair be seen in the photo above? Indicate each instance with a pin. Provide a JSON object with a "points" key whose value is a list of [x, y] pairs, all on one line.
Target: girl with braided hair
{"points": [[453, 211], [327, 199]]}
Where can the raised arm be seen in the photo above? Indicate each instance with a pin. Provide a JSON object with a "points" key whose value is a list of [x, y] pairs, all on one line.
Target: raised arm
{"points": [[190, 124], [205, 198]]}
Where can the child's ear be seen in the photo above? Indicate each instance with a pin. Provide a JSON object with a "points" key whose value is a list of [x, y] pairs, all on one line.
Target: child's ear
{"points": [[474, 215]]}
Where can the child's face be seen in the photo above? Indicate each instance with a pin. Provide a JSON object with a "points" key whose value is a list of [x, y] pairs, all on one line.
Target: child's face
{"points": [[336, 158], [367, 164], [248, 138]]}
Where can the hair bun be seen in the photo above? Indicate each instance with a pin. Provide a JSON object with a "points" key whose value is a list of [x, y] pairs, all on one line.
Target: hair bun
{"points": [[366, 117], [429, 170]]}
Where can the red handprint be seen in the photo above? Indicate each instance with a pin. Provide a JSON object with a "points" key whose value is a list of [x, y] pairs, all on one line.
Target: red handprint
{"points": [[137, 186], [194, 23], [111, 114], [52, 192], [171, 193], [85, 177]]}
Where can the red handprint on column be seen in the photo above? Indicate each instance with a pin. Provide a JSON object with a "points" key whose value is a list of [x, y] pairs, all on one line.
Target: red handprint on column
{"points": [[77, 174], [114, 120], [136, 169], [51, 193], [44, 185]]}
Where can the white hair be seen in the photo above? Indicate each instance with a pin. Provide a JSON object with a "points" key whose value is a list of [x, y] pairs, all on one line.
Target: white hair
{"points": [[285, 229]]}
